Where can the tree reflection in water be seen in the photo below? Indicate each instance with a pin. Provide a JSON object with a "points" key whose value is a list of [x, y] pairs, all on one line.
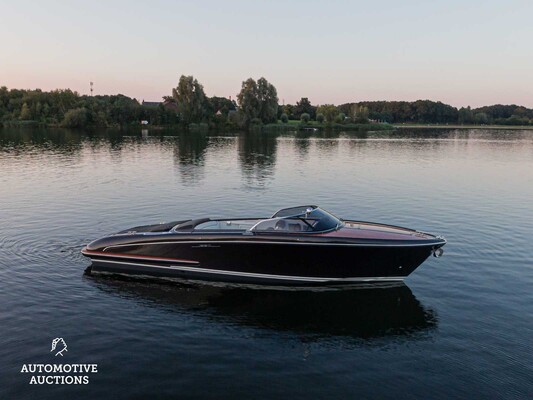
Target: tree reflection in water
{"points": [[257, 156], [189, 155]]}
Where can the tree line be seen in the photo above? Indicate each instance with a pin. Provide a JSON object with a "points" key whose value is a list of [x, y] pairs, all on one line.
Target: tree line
{"points": [[257, 103], [70, 109]]}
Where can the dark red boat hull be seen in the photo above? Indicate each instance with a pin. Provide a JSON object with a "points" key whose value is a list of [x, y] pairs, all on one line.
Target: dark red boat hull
{"points": [[262, 259]]}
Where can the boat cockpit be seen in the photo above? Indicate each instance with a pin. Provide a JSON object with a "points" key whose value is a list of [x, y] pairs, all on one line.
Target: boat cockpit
{"points": [[288, 220]]}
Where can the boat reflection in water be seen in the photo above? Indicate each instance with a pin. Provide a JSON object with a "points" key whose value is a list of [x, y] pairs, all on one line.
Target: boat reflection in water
{"points": [[359, 312]]}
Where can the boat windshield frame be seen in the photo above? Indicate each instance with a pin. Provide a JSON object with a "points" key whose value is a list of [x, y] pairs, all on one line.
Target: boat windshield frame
{"points": [[324, 223]]}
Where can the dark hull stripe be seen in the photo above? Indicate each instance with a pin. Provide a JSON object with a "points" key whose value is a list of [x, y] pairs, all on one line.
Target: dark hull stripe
{"points": [[89, 253]]}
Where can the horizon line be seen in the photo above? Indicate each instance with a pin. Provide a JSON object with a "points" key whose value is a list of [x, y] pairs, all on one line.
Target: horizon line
{"points": [[279, 104]]}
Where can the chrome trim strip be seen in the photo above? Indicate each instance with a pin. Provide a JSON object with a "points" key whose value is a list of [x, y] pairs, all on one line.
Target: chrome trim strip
{"points": [[256, 275], [219, 242]]}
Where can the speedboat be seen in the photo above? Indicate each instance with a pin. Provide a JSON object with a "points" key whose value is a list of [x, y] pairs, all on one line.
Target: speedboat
{"points": [[302, 245]]}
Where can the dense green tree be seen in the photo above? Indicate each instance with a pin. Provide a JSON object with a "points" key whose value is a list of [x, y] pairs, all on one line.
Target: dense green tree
{"points": [[248, 99], [465, 115], [62, 101], [191, 100], [499, 110], [25, 113], [329, 111], [380, 116], [236, 118], [304, 106], [268, 100], [284, 118], [481, 118], [319, 118], [289, 110], [513, 120], [425, 111], [506, 114], [123, 110], [75, 118], [4, 96], [361, 115], [38, 109], [350, 109], [258, 100], [222, 104], [305, 117], [340, 118], [45, 110]]}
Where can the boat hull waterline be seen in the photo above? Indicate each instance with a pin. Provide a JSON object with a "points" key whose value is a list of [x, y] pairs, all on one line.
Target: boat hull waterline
{"points": [[353, 252]]}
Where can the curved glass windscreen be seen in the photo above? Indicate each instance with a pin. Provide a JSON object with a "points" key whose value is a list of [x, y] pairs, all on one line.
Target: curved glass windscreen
{"points": [[299, 219], [239, 224], [294, 211]]}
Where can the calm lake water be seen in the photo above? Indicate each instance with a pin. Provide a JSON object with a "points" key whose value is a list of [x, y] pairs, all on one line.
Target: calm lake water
{"points": [[461, 327]]}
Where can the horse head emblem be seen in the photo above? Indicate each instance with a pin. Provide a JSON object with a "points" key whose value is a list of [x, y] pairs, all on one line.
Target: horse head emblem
{"points": [[60, 344]]}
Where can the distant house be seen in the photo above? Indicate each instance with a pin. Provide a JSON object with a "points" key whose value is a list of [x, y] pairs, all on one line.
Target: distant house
{"points": [[170, 105], [151, 103]]}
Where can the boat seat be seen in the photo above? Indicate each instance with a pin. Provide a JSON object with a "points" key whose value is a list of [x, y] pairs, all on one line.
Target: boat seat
{"points": [[281, 225], [295, 227]]}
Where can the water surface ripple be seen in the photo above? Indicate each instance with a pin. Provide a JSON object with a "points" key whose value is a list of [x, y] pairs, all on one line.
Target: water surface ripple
{"points": [[461, 327]]}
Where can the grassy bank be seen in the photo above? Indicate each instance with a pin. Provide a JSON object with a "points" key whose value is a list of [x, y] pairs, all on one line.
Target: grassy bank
{"points": [[457, 126], [24, 124], [204, 127], [15, 123], [312, 125]]}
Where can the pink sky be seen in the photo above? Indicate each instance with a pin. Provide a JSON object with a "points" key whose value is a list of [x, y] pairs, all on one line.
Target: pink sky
{"points": [[461, 54]]}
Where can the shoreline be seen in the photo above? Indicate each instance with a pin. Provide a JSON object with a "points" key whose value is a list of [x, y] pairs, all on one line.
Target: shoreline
{"points": [[291, 126], [300, 126], [457, 126], [204, 127]]}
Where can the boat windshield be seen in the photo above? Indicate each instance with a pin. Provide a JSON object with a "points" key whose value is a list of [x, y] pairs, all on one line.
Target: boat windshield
{"points": [[299, 219]]}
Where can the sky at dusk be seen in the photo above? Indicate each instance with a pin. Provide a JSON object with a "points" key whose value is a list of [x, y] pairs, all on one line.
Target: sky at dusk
{"points": [[458, 52]]}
